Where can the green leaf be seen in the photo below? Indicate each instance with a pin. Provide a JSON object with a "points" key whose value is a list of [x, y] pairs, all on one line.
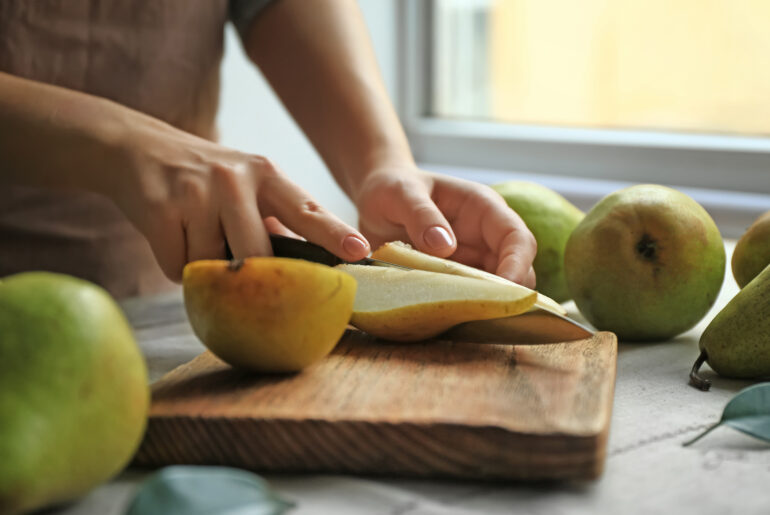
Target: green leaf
{"points": [[748, 412], [192, 490]]}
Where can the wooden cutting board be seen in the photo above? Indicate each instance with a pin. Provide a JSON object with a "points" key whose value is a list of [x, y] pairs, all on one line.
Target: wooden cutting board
{"points": [[432, 409]]}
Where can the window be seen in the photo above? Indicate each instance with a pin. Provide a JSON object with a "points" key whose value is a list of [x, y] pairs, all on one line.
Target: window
{"points": [[690, 65], [630, 90]]}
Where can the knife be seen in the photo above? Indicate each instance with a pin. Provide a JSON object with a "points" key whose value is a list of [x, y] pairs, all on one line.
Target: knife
{"points": [[534, 326], [284, 246]]}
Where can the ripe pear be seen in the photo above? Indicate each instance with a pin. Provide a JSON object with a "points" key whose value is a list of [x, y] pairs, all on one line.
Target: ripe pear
{"points": [[647, 263], [551, 218], [268, 314], [412, 305], [403, 254], [752, 252], [737, 341], [73, 390]]}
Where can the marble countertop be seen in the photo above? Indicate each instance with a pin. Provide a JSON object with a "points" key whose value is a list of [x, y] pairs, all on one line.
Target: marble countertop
{"points": [[647, 469]]}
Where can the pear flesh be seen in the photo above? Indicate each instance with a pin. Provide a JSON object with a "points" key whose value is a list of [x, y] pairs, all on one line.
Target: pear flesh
{"points": [[737, 341], [752, 252], [400, 253], [413, 305]]}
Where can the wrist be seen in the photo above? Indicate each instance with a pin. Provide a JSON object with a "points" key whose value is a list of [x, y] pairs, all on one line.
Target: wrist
{"points": [[378, 164]]}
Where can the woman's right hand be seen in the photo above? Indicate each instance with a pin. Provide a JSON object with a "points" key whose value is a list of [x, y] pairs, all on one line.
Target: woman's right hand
{"points": [[189, 196]]}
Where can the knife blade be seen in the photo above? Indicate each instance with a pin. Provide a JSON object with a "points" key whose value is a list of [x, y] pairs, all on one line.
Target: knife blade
{"points": [[535, 326]]}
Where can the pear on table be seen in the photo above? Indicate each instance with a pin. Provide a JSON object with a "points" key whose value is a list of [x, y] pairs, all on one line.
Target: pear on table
{"points": [[400, 253], [647, 263], [737, 341], [413, 305], [752, 252]]}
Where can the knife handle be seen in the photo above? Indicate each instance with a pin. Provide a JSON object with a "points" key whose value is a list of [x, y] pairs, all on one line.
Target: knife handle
{"points": [[284, 246]]}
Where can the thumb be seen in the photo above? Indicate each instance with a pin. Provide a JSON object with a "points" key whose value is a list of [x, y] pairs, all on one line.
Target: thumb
{"points": [[426, 226]]}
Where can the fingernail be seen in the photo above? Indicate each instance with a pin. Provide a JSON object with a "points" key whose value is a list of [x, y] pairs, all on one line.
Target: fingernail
{"points": [[437, 238], [354, 245]]}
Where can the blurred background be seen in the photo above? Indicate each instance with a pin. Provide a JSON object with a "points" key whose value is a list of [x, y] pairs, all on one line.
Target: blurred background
{"points": [[584, 97]]}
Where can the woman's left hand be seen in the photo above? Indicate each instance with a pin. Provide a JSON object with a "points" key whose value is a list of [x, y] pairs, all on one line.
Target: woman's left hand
{"points": [[446, 217]]}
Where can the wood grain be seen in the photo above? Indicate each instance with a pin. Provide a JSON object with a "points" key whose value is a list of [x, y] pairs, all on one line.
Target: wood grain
{"points": [[431, 409]]}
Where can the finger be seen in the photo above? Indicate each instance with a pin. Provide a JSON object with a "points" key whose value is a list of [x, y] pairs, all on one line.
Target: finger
{"points": [[515, 254], [531, 280], [167, 241], [204, 237], [428, 229], [239, 215], [490, 265], [302, 214], [377, 236], [274, 226], [471, 256], [245, 233], [510, 240]]}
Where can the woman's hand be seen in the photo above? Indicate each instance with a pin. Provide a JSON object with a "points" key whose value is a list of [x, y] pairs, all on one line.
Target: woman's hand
{"points": [[446, 217], [189, 196], [349, 118]]}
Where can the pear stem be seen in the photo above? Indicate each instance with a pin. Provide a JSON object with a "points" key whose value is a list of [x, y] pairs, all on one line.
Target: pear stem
{"points": [[235, 265], [696, 380]]}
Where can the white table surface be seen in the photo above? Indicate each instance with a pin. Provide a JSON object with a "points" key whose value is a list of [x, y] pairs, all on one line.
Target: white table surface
{"points": [[647, 469]]}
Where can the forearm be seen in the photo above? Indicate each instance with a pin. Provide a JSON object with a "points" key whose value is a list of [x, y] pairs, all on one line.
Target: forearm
{"points": [[58, 138], [318, 58]]}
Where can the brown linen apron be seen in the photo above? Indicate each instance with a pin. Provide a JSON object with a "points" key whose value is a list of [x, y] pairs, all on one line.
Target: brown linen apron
{"points": [[160, 57]]}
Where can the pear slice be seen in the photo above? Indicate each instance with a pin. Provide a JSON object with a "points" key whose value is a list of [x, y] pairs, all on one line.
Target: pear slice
{"points": [[400, 253], [412, 305]]}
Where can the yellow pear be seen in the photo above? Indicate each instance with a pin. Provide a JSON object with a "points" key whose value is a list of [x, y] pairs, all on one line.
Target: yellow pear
{"points": [[412, 305], [403, 254], [268, 314]]}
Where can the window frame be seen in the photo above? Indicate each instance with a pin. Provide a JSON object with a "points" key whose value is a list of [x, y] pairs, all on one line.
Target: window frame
{"points": [[699, 160]]}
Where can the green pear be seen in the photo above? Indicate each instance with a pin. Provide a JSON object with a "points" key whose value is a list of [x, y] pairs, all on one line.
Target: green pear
{"points": [[737, 341], [647, 263], [551, 219], [74, 393], [752, 252]]}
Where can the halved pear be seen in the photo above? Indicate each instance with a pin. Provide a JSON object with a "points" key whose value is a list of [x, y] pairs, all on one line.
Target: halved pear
{"points": [[268, 314], [412, 305], [400, 253]]}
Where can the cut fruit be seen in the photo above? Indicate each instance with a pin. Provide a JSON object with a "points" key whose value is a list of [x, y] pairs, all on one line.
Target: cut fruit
{"points": [[268, 314], [412, 305], [400, 253]]}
